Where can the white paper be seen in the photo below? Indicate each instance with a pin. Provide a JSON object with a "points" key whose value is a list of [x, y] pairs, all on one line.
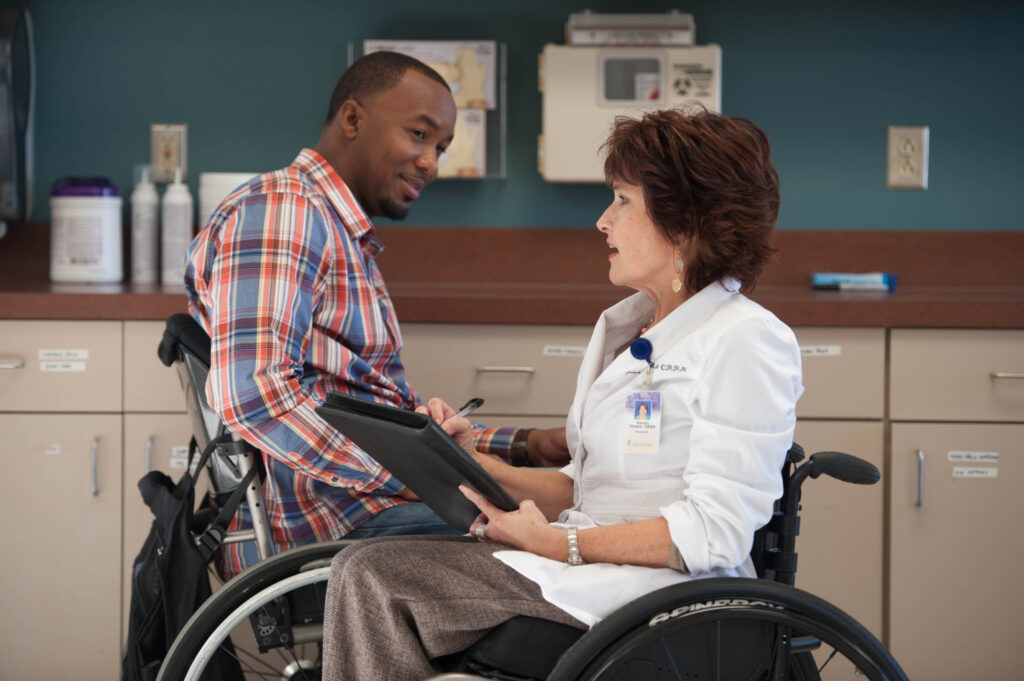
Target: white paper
{"points": [[973, 457], [564, 350], [62, 366]]}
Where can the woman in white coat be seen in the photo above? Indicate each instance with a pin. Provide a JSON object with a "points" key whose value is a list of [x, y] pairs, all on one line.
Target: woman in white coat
{"points": [[684, 410]]}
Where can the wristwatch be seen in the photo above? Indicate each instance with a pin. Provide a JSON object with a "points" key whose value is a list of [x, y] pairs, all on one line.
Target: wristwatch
{"points": [[574, 548]]}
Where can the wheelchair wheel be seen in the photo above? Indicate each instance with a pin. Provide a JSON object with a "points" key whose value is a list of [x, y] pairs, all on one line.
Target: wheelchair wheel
{"points": [[270, 618], [727, 628]]}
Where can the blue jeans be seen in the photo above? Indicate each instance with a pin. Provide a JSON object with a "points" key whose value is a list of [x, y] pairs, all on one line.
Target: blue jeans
{"points": [[408, 518]]}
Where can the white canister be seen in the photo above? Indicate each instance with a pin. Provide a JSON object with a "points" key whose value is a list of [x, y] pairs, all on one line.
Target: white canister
{"points": [[214, 188], [85, 231]]}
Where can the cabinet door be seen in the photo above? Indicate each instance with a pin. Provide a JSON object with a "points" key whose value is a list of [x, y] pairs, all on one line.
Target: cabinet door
{"points": [[517, 369], [148, 384], [60, 570], [151, 442], [956, 593], [842, 527], [844, 373], [48, 366], [957, 375]]}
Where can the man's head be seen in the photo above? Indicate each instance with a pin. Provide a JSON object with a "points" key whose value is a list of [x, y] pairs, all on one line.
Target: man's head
{"points": [[390, 118]]}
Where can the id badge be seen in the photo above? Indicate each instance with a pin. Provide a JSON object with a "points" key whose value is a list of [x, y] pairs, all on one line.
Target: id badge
{"points": [[643, 422]]}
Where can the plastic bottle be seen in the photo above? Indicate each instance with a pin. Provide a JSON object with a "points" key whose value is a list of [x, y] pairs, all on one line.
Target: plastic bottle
{"points": [[145, 232], [176, 231]]}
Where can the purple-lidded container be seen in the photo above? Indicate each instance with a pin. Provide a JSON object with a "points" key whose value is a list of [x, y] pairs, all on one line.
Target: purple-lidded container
{"points": [[84, 186], [85, 231]]}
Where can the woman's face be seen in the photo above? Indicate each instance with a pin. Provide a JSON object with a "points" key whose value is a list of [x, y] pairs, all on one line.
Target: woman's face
{"points": [[641, 257]]}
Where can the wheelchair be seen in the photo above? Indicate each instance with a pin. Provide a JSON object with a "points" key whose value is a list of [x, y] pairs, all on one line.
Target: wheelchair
{"points": [[270, 616]]}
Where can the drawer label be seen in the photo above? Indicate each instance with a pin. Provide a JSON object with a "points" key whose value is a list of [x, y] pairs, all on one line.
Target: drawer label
{"points": [[975, 472], [821, 350], [61, 366], [973, 457], [564, 350], [63, 354], [51, 450]]}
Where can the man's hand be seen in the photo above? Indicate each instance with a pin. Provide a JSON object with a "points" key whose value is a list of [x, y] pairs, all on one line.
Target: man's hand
{"points": [[547, 448]]}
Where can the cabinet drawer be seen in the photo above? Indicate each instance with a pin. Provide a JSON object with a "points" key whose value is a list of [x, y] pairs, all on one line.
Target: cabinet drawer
{"points": [[517, 369], [149, 386], [952, 375], [60, 366], [844, 372]]}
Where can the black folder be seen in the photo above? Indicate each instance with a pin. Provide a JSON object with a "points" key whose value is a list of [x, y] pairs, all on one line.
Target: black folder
{"points": [[414, 449]]}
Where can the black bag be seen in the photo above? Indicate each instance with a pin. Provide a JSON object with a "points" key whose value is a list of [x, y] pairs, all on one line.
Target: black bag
{"points": [[169, 576]]}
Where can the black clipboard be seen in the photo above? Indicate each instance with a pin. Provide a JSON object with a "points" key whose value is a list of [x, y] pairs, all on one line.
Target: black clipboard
{"points": [[414, 449]]}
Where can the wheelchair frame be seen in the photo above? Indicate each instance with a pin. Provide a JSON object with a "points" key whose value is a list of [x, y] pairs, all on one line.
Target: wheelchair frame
{"points": [[267, 594]]}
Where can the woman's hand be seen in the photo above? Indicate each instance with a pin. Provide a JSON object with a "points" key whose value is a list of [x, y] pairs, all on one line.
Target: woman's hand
{"points": [[525, 529], [437, 409]]}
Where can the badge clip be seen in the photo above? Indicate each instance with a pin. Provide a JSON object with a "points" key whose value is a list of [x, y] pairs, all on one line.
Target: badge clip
{"points": [[642, 350]]}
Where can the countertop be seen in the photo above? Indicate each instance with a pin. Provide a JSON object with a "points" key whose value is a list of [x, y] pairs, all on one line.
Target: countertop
{"points": [[558, 276]]}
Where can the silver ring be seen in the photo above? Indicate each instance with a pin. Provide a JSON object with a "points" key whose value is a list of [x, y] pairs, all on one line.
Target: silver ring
{"points": [[480, 530]]}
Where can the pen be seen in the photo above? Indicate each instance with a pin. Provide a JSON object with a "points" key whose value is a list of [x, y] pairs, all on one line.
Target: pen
{"points": [[469, 407]]}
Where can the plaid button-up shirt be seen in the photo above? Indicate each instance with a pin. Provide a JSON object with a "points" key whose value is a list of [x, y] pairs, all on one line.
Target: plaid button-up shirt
{"points": [[283, 279]]}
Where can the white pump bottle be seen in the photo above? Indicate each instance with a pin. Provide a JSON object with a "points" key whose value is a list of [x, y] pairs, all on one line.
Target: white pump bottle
{"points": [[176, 233], [145, 232]]}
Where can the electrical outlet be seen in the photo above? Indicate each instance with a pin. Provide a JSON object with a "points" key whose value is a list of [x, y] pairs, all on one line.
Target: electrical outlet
{"points": [[907, 157], [168, 149]]}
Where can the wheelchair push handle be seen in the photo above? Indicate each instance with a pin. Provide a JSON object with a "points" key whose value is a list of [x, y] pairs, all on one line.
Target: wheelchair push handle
{"points": [[845, 467]]}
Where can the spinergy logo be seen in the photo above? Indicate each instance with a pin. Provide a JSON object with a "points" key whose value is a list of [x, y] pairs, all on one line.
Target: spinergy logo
{"points": [[707, 605]]}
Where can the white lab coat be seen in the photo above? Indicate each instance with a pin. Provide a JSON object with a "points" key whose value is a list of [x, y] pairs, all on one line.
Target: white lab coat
{"points": [[729, 376]]}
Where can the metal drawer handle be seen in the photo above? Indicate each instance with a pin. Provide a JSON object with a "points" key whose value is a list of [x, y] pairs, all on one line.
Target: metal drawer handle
{"points": [[149, 455], [505, 370], [96, 467], [11, 364], [920, 478], [1007, 374]]}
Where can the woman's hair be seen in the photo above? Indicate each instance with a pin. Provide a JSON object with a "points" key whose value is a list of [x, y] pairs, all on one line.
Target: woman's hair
{"points": [[707, 178]]}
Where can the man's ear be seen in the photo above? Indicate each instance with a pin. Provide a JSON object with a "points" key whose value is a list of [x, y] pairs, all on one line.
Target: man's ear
{"points": [[350, 117]]}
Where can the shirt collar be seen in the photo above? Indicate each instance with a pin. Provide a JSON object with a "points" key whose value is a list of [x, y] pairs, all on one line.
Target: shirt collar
{"points": [[330, 184]]}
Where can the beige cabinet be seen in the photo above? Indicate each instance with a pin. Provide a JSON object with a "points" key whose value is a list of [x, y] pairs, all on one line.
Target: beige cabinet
{"points": [[156, 436], [842, 526], [55, 366], [60, 573], [842, 530], [520, 370], [151, 442], [957, 466]]}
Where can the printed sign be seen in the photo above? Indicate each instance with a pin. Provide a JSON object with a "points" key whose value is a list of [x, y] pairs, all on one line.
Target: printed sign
{"points": [[821, 350], [975, 472], [973, 457]]}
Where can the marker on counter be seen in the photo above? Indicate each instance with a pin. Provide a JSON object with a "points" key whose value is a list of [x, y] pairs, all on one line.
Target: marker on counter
{"points": [[846, 281]]}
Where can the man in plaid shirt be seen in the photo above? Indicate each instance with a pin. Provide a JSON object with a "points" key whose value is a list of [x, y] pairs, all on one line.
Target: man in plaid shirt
{"points": [[283, 279]]}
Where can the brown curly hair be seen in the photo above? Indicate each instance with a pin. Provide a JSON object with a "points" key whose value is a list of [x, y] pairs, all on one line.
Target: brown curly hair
{"points": [[707, 178]]}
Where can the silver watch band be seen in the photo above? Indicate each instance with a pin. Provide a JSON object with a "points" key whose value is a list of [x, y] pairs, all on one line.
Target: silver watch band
{"points": [[574, 548]]}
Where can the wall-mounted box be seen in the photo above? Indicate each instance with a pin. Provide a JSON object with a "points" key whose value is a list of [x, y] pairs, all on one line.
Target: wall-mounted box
{"points": [[585, 88]]}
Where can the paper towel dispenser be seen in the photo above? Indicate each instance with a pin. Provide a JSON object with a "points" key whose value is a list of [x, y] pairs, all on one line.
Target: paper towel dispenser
{"points": [[585, 88], [17, 75]]}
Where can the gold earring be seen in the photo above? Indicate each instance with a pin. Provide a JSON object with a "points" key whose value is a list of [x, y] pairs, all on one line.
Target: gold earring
{"points": [[677, 284]]}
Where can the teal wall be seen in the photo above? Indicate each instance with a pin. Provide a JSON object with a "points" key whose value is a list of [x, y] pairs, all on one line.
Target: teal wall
{"points": [[823, 79]]}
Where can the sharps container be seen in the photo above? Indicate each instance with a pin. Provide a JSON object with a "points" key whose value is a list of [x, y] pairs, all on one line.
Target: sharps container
{"points": [[85, 231]]}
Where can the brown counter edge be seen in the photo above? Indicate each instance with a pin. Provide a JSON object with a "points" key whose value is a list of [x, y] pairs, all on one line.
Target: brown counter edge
{"points": [[521, 276]]}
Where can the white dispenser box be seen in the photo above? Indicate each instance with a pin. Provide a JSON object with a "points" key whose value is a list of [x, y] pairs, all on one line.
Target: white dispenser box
{"points": [[585, 88], [85, 237]]}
